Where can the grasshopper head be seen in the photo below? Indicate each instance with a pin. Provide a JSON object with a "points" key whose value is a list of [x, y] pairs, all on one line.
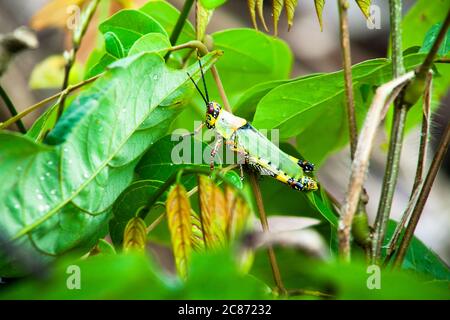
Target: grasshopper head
{"points": [[212, 113]]}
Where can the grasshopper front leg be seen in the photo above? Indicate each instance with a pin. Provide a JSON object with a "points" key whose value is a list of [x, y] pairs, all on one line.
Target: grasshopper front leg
{"points": [[217, 144]]}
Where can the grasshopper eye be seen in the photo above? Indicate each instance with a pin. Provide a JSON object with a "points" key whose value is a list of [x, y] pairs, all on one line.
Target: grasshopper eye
{"points": [[210, 109]]}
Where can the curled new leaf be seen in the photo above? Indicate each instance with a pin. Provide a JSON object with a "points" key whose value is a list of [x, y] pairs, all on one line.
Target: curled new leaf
{"points": [[135, 235], [213, 213], [178, 211], [291, 5]]}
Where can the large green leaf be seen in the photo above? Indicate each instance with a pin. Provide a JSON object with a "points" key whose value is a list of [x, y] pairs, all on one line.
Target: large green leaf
{"points": [[55, 197], [121, 31], [415, 25], [310, 106], [170, 154], [212, 4], [167, 16], [130, 276], [431, 37], [128, 26], [250, 57], [350, 281], [135, 276], [127, 206], [420, 258]]}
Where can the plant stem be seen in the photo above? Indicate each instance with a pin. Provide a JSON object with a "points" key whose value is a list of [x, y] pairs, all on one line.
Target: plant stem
{"points": [[347, 64], [349, 98], [44, 102], [397, 133], [395, 11], [76, 42], [423, 196], [418, 179], [265, 225], [389, 181], [12, 109], [179, 25], [381, 101]]}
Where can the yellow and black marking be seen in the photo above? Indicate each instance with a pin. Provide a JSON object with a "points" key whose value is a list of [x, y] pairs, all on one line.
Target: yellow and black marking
{"points": [[306, 166], [304, 183]]}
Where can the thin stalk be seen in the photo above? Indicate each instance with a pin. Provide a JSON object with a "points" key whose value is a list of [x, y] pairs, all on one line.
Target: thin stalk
{"points": [[389, 181], [418, 179], [44, 102], [179, 25], [423, 196], [347, 64], [396, 141], [349, 97], [265, 225], [12, 109], [71, 55]]}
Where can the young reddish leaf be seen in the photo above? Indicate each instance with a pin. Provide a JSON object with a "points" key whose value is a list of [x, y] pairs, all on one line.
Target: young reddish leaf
{"points": [[291, 5], [178, 211], [319, 8], [252, 9], [135, 235], [213, 212], [277, 6], [260, 7]]}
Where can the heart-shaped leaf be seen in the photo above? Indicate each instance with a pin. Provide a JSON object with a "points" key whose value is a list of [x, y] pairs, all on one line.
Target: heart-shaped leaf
{"points": [[59, 197]]}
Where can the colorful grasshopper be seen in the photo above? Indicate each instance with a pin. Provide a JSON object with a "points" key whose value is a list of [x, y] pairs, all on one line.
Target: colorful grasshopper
{"points": [[258, 151]]}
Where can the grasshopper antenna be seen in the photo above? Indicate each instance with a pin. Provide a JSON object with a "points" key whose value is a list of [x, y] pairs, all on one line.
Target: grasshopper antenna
{"points": [[198, 89], [203, 79]]}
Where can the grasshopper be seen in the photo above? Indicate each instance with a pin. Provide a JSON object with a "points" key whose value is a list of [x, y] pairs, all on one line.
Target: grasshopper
{"points": [[258, 151]]}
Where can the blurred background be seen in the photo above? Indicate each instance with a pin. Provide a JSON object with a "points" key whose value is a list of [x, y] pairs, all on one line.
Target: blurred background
{"points": [[314, 51]]}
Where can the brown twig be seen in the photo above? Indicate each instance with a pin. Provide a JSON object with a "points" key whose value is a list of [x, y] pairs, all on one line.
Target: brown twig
{"points": [[347, 64], [12, 109], [397, 133], [423, 196], [383, 97], [418, 179], [44, 102], [71, 55], [265, 225]]}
